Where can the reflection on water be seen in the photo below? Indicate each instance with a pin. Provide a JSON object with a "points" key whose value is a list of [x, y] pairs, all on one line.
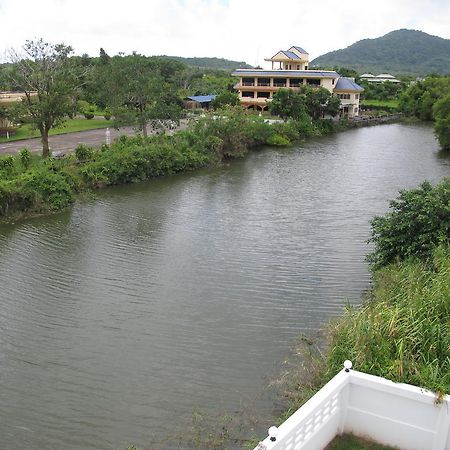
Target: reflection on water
{"points": [[120, 316]]}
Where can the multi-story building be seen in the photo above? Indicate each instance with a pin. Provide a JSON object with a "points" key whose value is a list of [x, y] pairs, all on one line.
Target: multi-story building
{"points": [[257, 86]]}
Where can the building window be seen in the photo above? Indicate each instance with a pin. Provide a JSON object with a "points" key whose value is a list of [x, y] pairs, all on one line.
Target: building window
{"points": [[279, 82], [248, 81], [344, 96], [248, 94], [332, 81], [298, 66], [263, 94], [263, 81], [295, 82], [356, 96], [313, 81]]}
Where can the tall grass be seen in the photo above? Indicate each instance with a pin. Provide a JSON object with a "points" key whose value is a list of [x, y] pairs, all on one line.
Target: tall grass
{"points": [[403, 332]]}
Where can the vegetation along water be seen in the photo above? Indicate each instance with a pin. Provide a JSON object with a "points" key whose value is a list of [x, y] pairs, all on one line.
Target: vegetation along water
{"points": [[123, 313]]}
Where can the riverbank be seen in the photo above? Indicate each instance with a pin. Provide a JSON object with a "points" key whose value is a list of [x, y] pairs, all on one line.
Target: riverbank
{"points": [[401, 331], [39, 186], [192, 288]]}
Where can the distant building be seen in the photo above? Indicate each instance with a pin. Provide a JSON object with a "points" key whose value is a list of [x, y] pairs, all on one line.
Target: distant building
{"points": [[290, 70], [378, 78], [199, 101], [8, 98]]}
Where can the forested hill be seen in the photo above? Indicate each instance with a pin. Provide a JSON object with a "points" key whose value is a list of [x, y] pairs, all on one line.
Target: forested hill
{"points": [[211, 63], [398, 52]]}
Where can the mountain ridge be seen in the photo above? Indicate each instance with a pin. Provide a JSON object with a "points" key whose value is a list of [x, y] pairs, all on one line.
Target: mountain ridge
{"points": [[401, 51]]}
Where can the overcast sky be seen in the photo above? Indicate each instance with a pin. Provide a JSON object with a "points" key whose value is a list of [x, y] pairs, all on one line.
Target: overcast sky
{"points": [[244, 30]]}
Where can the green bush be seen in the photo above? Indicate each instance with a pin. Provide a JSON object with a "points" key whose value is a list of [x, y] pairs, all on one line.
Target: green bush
{"points": [[13, 198], [278, 141], [51, 189], [7, 164], [136, 159], [84, 153], [419, 221], [25, 158]]}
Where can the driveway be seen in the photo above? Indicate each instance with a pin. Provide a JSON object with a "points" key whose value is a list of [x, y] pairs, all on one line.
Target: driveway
{"points": [[66, 143]]}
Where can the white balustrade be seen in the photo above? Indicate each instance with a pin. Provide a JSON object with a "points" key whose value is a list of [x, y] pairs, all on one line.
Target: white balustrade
{"points": [[394, 414]]}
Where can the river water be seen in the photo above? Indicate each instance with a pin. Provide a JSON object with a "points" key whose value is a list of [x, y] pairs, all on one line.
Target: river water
{"points": [[122, 315]]}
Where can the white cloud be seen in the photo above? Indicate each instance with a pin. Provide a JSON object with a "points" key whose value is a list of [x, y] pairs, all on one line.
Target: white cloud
{"points": [[249, 30]]}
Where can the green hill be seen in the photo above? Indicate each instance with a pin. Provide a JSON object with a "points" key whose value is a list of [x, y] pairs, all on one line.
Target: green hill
{"points": [[398, 52], [211, 63]]}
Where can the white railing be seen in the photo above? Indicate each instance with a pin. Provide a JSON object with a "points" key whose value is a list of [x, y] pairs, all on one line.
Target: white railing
{"points": [[394, 414]]}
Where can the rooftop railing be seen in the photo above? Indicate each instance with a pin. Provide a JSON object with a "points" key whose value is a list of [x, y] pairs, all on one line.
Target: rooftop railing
{"points": [[393, 414]]}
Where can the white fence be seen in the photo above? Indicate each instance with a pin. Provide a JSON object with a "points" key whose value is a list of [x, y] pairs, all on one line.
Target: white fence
{"points": [[398, 415]]}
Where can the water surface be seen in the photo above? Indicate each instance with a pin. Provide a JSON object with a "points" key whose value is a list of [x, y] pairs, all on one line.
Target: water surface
{"points": [[120, 316]]}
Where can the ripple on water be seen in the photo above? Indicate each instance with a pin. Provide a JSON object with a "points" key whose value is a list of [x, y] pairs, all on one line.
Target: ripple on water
{"points": [[119, 317]]}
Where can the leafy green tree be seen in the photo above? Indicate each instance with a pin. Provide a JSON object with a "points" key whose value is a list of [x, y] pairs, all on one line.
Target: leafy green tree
{"points": [[141, 92], [226, 98], [441, 112], [418, 222], [320, 102], [419, 98], [287, 103], [50, 83]]}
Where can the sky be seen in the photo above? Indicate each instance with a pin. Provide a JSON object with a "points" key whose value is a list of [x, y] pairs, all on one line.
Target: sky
{"points": [[242, 30]]}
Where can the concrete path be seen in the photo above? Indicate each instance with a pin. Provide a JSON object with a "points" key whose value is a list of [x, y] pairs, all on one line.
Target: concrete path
{"points": [[65, 143]]}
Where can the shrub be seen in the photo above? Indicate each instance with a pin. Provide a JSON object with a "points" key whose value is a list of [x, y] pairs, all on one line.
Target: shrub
{"points": [[278, 141], [89, 115], [83, 153], [51, 189], [419, 221], [7, 165], [25, 158]]}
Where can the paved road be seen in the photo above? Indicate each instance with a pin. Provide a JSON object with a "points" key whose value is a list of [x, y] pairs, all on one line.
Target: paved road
{"points": [[65, 142]]}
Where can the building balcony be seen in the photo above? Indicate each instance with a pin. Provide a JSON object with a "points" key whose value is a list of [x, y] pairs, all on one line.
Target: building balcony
{"points": [[254, 101], [397, 415]]}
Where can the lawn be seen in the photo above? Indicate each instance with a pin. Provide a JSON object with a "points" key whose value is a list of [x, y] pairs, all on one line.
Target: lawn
{"points": [[70, 126], [393, 103]]}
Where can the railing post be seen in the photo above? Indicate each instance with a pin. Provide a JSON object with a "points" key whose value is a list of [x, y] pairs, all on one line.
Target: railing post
{"points": [[442, 427], [343, 398]]}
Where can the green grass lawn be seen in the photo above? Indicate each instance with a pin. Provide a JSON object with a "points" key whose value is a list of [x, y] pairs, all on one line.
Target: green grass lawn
{"points": [[350, 442], [70, 126], [380, 103]]}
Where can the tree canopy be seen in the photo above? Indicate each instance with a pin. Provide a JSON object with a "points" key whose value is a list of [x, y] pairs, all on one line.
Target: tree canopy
{"points": [[50, 82], [317, 103]]}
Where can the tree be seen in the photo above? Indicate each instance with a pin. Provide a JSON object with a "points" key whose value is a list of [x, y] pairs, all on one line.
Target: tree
{"points": [[441, 112], [418, 222], [319, 102], [141, 92], [49, 81], [225, 98], [287, 103]]}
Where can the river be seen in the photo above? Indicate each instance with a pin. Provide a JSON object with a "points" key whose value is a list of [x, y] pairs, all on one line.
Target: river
{"points": [[122, 315]]}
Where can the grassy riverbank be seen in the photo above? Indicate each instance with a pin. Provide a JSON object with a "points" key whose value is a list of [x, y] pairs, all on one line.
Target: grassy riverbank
{"points": [[34, 185], [402, 330]]}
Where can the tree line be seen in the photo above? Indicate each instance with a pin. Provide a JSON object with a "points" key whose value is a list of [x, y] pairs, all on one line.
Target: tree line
{"points": [[134, 89], [430, 100]]}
